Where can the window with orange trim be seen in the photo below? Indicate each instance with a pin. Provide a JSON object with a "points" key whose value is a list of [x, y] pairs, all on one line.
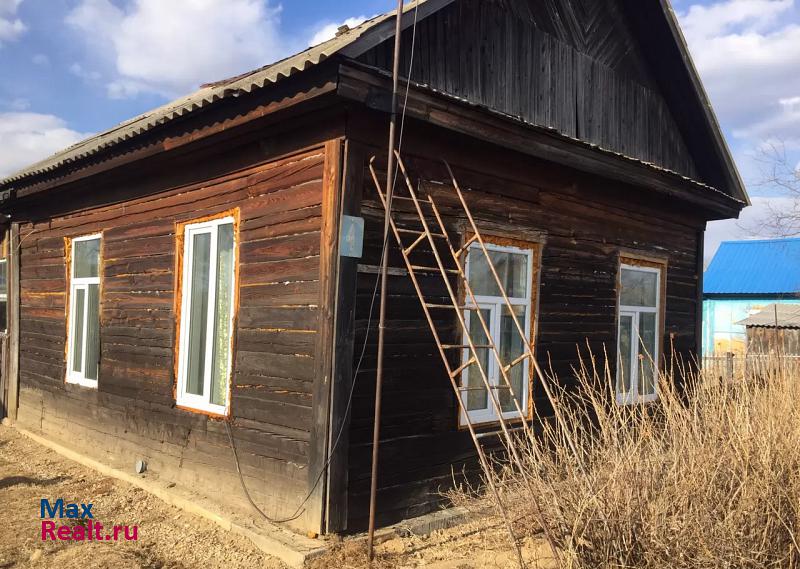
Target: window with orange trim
{"points": [[207, 310], [515, 268], [83, 343]]}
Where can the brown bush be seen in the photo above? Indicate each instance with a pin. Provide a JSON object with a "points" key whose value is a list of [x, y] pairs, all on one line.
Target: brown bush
{"points": [[706, 477]]}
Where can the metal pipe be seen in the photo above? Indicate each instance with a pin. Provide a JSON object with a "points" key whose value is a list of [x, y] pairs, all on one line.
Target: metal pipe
{"points": [[376, 432]]}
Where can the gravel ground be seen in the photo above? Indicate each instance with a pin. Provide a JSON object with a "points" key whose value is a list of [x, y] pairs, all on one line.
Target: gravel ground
{"points": [[167, 537], [170, 538]]}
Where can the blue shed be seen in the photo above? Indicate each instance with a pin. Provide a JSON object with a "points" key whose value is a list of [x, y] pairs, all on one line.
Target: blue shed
{"points": [[743, 278]]}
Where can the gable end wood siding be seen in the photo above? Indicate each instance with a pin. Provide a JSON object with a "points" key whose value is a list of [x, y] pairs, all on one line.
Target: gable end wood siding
{"points": [[132, 412], [573, 67]]}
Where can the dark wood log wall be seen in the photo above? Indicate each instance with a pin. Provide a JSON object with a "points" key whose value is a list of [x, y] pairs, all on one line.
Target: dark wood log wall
{"points": [[131, 415], [585, 223], [565, 64]]}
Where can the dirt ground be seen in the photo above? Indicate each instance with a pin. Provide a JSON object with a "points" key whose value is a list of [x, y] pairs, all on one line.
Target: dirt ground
{"points": [[469, 546], [167, 537], [171, 539]]}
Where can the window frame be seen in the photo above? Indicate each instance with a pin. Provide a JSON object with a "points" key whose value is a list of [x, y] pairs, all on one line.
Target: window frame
{"points": [[183, 399], [4, 296], [633, 396], [75, 283], [495, 304]]}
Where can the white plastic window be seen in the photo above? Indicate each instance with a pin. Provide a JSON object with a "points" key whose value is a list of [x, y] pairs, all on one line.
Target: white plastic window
{"points": [[638, 349], [207, 315], [83, 343], [3, 295], [514, 266]]}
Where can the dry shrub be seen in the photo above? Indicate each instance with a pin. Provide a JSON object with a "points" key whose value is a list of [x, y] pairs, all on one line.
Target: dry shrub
{"points": [[707, 477]]}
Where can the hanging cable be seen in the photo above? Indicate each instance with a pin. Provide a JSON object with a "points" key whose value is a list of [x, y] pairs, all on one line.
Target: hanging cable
{"points": [[299, 511]]}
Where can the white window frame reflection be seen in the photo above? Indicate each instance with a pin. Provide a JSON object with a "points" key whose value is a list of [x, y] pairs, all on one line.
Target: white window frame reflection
{"points": [[76, 284], [185, 399], [4, 296], [495, 305], [632, 396]]}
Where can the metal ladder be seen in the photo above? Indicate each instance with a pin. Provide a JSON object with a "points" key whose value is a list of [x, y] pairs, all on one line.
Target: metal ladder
{"points": [[469, 349]]}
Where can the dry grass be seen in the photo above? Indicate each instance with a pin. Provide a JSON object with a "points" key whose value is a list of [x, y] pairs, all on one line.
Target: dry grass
{"points": [[705, 478]]}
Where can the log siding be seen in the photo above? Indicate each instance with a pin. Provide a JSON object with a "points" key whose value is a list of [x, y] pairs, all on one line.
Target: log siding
{"points": [[585, 225], [132, 413]]}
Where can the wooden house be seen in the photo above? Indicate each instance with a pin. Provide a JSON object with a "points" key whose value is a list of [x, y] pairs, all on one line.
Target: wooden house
{"points": [[744, 278], [774, 331], [181, 272]]}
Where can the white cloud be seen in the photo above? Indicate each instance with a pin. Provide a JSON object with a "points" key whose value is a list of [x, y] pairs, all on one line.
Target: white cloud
{"points": [[29, 137], [748, 54], [11, 27], [783, 124], [78, 71], [170, 48], [751, 223], [328, 30], [41, 59]]}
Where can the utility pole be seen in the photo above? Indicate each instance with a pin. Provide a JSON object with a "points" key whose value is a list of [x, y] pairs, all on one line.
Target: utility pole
{"points": [[376, 433]]}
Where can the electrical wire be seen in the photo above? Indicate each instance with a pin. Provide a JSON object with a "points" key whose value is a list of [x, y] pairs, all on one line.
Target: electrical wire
{"points": [[299, 511]]}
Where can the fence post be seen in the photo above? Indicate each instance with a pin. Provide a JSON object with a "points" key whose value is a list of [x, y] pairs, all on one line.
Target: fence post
{"points": [[729, 366]]}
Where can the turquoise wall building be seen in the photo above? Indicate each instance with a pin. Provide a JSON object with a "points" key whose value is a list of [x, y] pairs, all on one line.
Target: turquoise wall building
{"points": [[743, 278]]}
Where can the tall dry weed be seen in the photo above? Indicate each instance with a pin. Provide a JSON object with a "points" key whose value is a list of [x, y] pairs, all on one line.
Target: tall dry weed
{"points": [[706, 477]]}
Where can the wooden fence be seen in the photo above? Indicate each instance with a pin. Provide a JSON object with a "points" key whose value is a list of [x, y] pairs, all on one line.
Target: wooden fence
{"points": [[731, 366]]}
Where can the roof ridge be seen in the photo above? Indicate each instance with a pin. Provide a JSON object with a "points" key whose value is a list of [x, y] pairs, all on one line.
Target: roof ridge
{"points": [[760, 240]]}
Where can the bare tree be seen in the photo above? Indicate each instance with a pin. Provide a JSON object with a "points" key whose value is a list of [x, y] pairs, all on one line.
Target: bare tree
{"points": [[782, 175]]}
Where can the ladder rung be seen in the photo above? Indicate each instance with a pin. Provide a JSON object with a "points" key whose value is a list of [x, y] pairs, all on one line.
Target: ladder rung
{"points": [[500, 431], [420, 238], [463, 366], [516, 361], [466, 346], [431, 305], [406, 198], [418, 232], [483, 388], [434, 269], [465, 246]]}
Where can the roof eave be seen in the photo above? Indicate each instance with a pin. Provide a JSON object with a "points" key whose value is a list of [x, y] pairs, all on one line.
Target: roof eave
{"points": [[359, 82]]}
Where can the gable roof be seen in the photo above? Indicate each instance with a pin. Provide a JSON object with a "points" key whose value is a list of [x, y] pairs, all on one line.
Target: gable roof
{"points": [[351, 43], [357, 41], [786, 315], [764, 266], [671, 37]]}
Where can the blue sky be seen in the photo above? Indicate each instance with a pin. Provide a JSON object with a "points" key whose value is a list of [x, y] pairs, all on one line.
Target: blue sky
{"points": [[69, 68]]}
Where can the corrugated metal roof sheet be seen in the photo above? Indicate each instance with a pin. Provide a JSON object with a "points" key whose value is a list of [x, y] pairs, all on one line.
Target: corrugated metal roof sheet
{"points": [[786, 315], [208, 95], [764, 266], [351, 43]]}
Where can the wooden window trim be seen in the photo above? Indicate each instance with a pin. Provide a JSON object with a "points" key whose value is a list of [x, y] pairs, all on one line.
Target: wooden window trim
{"points": [[534, 248], [210, 410], [638, 260], [70, 376]]}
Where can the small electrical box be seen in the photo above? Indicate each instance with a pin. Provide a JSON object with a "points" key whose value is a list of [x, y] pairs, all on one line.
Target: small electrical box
{"points": [[351, 239]]}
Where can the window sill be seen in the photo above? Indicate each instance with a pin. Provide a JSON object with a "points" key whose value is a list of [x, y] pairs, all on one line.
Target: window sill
{"points": [[628, 402], [82, 382], [511, 420], [212, 413]]}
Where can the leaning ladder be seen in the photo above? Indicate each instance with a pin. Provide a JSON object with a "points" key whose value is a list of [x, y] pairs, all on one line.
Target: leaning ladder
{"points": [[469, 348]]}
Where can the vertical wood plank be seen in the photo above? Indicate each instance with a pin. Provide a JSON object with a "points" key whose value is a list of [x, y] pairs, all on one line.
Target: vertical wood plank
{"points": [[339, 433], [13, 322], [698, 318], [321, 395]]}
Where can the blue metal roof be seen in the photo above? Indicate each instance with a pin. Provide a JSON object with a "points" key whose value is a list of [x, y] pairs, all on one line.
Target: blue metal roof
{"points": [[764, 266]]}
